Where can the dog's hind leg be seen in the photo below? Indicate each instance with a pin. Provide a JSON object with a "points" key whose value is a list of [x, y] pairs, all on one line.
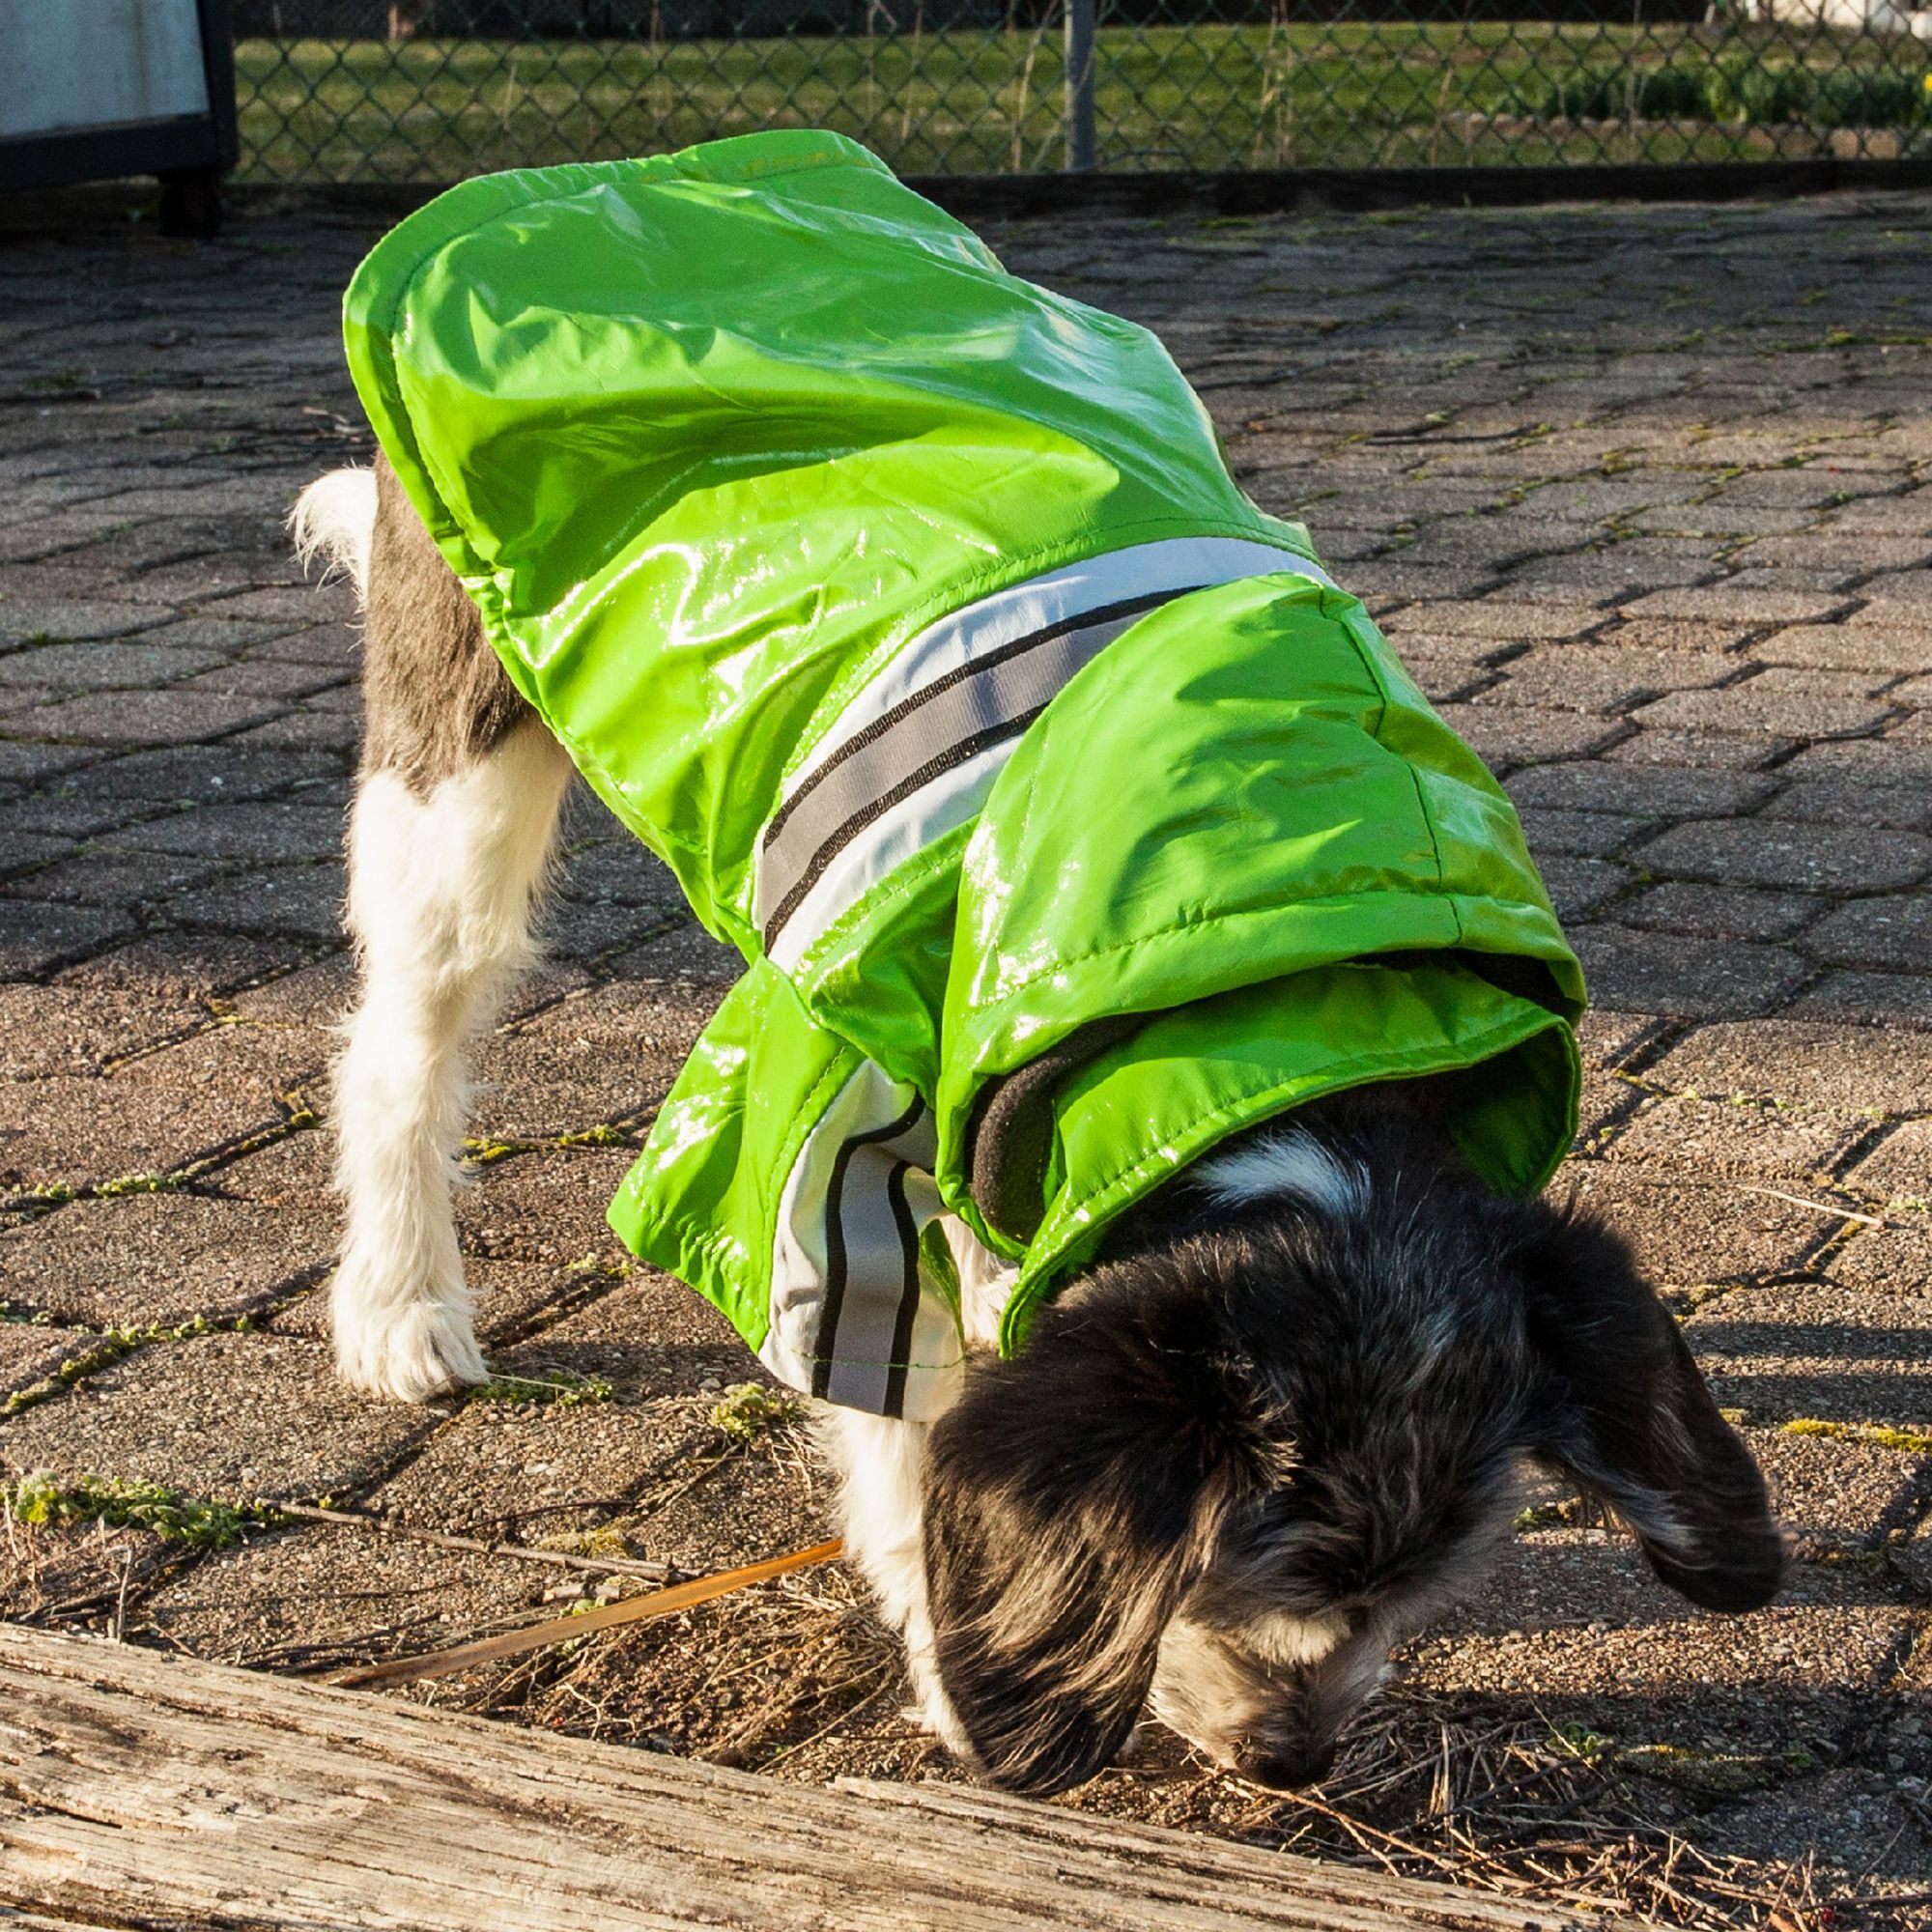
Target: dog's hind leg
{"points": [[440, 896], [448, 838]]}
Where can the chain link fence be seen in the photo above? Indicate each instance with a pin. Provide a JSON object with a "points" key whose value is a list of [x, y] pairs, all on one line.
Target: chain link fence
{"points": [[435, 89]]}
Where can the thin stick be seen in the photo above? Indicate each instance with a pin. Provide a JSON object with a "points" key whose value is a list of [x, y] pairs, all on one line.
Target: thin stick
{"points": [[1816, 1206], [844, 1718], [296, 1649], [94, 1599], [1356, 1828], [560, 1630], [120, 1628], [559, 1559]]}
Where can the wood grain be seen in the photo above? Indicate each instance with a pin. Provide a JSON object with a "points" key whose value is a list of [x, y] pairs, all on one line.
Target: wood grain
{"points": [[147, 1788]]}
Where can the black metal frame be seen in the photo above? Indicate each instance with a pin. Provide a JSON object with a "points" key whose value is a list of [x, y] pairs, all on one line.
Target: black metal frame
{"points": [[180, 145]]}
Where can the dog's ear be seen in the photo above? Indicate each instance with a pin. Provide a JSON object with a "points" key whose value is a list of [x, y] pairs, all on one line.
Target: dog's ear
{"points": [[1630, 1417], [1070, 1496]]}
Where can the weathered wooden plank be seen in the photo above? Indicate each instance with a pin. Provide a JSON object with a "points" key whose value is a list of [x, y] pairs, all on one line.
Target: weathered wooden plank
{"points": [[12, 1920], [145, 1787]]}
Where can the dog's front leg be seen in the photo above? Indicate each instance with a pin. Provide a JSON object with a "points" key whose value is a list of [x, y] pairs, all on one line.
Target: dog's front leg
{"points": [[880, 1461]]}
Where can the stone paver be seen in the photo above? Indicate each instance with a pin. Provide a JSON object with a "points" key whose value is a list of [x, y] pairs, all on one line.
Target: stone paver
{"points": [[135, 1258], [1797, 1353], [218, 1415], [1664, 563]]}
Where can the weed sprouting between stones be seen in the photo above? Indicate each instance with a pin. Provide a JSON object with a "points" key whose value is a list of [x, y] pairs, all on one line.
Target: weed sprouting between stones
{"points": [[561, 1390], [748, 1410], [42, 1501]]}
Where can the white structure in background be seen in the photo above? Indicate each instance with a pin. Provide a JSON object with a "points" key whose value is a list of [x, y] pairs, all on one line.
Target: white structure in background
{"points": [[1872, 17], [72, 63]]}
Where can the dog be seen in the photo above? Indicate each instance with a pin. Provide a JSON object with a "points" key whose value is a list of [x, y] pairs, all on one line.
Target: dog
{"points": [[1280, 1422], [1154, 1039]]}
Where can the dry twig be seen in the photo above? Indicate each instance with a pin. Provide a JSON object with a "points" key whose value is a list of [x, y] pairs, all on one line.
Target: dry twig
{"points": [[523, 1552]]}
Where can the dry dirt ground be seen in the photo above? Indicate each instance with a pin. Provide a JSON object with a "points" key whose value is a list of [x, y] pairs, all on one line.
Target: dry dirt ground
{"points": [[1644, 495]]}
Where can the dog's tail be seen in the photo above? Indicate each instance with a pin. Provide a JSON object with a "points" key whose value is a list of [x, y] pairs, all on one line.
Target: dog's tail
{"points": [[334, 519]]}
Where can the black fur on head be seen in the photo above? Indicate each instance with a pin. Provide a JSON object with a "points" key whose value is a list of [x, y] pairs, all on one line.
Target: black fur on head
{"points": [[1265, 1437], [1071, 1498]]}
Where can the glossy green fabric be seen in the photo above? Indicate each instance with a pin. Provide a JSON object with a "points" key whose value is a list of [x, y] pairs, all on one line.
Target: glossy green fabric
{"points": [[1281, 806], [729, 425], [708, 437]]}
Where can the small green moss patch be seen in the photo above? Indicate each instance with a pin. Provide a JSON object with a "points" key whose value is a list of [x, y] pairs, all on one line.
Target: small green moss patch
{"points": [[1907, 1442], [1563, 1514], [748, 1410], [559, 1390], [606, 1539], [42, 1501], [1717, 1774]]}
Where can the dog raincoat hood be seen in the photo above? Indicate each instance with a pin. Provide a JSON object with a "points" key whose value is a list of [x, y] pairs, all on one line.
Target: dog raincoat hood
{"points": [[1068, 816]]}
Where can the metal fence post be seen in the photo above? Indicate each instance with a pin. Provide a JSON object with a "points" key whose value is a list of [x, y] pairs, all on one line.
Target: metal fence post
{"points": [[1208, 86], [1080, 84]]}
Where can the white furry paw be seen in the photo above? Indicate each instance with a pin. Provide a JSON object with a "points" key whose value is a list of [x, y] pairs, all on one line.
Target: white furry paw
{"points": [[932, 1710], [409, 1350]]}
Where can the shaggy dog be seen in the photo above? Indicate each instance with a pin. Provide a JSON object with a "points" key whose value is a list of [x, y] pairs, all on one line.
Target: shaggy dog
{"points": [[1276, 1424]]}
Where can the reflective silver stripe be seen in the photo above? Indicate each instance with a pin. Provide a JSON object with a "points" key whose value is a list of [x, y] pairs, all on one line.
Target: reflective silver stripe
{"points": [[851, 1319], [938, 727], [867, 1353], [871, 1255], [915, 750], [1021, 608], [952, 798]]}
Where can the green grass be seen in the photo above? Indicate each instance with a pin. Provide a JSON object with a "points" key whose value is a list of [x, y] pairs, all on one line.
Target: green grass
{"points": [[1744, 92], [1340, 95]]}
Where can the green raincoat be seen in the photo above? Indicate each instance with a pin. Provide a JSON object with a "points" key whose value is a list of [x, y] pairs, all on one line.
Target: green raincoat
{"points": [[1067, 814]]}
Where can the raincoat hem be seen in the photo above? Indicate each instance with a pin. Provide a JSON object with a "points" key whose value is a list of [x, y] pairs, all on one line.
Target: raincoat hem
{"points": [[1051, 1249], [997, 1051]]}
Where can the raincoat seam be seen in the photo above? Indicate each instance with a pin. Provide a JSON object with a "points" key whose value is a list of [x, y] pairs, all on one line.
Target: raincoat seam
{"points": [[771, 1188], [1367, 660], [1043, 725], [382, 325], [890, 1361], [1374, 671], [901, 882], [385, 336], [1196, 922], [1452, 900]]}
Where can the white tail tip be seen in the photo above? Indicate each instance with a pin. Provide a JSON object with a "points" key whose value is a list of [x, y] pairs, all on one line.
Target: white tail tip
{"points": [[334, 519]]}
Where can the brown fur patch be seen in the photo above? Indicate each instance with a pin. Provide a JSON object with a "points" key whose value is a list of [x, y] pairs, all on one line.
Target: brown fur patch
{"points": [[436, 695]]}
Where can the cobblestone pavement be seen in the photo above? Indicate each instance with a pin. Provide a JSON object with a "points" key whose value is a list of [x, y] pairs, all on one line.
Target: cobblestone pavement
{"points": [[1645, 496]]}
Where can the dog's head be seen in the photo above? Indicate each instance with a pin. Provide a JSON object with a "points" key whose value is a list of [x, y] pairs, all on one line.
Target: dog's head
{"points": [[1279, 1425]]}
